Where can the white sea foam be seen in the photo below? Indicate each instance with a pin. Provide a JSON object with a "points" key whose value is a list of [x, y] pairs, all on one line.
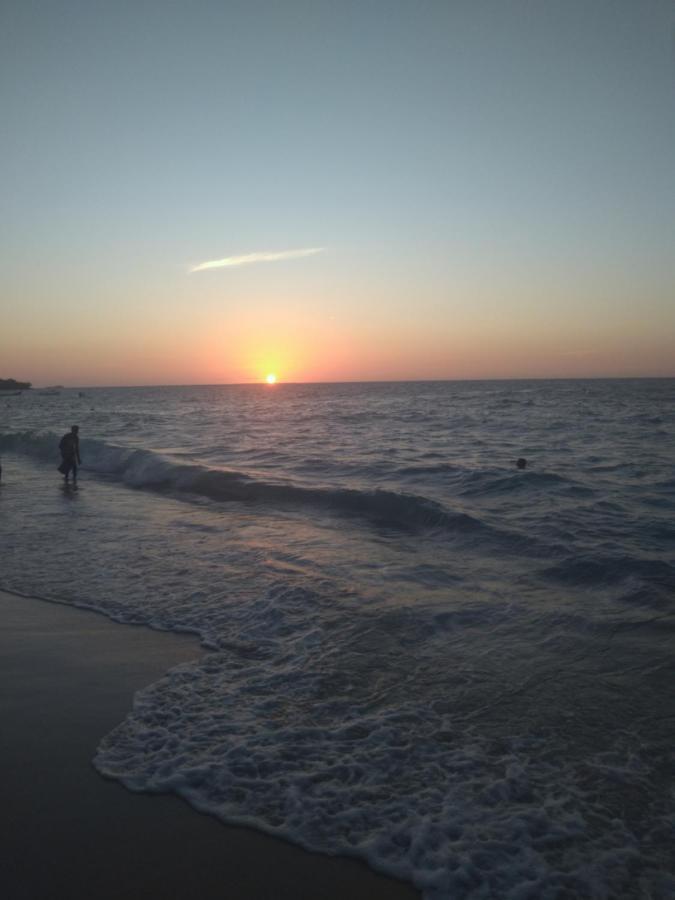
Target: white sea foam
{"points": [[284, 733]]}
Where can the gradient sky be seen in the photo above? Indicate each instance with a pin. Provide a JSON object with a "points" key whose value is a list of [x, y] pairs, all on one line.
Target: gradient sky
{"points": [[487, 189]]}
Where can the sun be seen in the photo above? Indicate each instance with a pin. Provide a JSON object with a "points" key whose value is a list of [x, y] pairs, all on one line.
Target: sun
{"points": [[271, 378]]}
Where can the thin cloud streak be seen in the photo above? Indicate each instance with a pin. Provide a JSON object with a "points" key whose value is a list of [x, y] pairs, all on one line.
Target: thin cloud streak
{"points": [[248, 258]]}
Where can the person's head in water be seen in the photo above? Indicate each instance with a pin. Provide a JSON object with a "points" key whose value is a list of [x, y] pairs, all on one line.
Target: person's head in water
{"points": [[74, 428], [521, 462]]}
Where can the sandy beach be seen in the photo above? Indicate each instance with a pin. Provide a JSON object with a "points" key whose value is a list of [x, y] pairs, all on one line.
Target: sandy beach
{"points": [[68, 677]]}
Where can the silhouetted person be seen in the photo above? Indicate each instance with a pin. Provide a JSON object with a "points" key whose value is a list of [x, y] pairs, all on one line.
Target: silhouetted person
{"points": [[521, 462], [70, 453]]}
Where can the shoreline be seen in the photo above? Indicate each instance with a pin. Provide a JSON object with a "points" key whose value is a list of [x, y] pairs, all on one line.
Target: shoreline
{"points": [[68, 677]]}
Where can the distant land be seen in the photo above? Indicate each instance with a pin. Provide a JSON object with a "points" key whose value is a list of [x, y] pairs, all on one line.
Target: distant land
{"points": [[9, 384]]}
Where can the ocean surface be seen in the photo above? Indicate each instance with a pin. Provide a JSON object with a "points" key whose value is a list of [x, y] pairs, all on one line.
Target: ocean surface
{"points": [[414, 652]]}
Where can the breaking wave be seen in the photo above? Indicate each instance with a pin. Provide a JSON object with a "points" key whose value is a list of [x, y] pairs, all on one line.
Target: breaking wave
{"points": [[147, 469]]}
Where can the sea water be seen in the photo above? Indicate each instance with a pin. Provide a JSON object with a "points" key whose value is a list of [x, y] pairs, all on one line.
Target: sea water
{"points": [[414, 652]]}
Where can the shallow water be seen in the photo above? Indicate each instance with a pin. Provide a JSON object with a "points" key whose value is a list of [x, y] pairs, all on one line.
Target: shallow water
{"points": [[459, 671]]}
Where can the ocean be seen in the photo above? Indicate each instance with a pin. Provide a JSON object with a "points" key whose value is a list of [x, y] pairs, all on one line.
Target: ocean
{"points": [[414, 652]]}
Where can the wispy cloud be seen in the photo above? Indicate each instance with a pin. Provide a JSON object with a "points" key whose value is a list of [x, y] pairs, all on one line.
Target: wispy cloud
{"points": [[248, 258]]}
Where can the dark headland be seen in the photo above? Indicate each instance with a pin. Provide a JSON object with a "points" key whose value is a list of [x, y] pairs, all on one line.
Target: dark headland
{"points": [[9, 384]]}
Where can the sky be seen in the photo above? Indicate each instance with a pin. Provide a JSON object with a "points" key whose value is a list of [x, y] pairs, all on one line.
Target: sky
{"points": [[207, 192]]}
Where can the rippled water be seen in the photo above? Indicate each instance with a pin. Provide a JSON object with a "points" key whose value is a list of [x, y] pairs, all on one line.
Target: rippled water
{"points": [[420, 655]]}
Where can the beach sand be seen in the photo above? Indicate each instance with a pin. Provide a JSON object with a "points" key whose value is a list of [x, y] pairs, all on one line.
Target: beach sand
{"points": [[68, 677]]}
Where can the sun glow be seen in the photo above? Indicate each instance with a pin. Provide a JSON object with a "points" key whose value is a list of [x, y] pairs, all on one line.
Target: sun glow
{"points": [[271, 378]]}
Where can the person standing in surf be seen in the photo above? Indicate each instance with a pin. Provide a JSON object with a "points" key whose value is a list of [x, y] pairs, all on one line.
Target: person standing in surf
{"points": [[70, 452]]}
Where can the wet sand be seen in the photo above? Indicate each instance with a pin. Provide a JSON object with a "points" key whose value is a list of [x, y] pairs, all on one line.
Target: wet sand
{"points": [[68, 677]]}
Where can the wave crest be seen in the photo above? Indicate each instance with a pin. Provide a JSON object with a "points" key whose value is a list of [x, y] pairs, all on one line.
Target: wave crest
{"points": [[147, 469]]}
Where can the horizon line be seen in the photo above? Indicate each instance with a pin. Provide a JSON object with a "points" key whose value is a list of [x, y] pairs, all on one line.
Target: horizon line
{"points": [[359, 381]]}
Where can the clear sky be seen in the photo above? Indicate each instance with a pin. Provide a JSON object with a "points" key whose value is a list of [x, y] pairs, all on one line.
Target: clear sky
{"points": [[422, 189]]}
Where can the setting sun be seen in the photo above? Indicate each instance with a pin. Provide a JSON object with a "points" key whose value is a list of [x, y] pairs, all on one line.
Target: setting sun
{"points": [[271, 379]]}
